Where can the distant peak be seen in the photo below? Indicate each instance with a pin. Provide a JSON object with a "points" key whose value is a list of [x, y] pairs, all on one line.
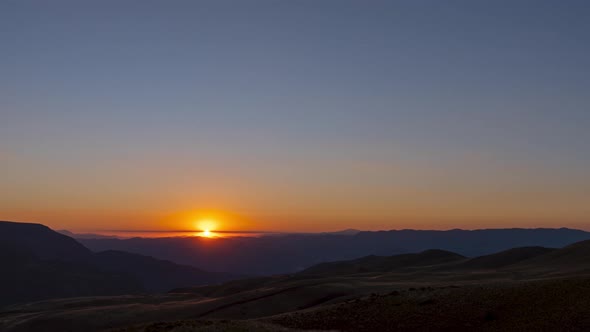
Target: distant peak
{"points": [[349, 231]]}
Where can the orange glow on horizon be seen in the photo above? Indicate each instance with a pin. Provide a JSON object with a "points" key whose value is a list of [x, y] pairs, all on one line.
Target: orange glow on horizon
{"points": [[206, 233], [207, 225], [227, 223], [205, 219]]}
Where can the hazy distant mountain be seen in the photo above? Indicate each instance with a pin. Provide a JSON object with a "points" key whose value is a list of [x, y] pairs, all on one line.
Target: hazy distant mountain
{"points": [[295, 252], [39, 263], [86, 235], [477, 242], [349, 231]]}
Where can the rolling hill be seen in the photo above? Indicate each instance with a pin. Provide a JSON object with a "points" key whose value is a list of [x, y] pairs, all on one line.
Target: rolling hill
{"points": [[39, 263], [156, 275], [25, 277], [574, 258], [385, 264], [527, 260], [504, 258]]}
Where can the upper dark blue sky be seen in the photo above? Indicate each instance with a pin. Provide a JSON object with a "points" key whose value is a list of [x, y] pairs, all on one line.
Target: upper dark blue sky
{"points": [[296, 114]]}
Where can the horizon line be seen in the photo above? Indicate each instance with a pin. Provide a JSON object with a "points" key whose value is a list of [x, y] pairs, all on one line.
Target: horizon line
{"points": [[317, 232]]}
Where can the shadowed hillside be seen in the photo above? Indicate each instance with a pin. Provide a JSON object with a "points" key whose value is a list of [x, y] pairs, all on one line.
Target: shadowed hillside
{"points": [[385, 264], [38, 263], [155, 274], [504, 258], [42, 242], [572, 258], [25, 277]]}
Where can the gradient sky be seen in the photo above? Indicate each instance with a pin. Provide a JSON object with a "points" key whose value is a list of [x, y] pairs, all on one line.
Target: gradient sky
{"points": [[295, 115]]}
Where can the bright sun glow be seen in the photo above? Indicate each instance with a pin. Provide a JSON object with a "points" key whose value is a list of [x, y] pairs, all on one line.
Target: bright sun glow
{"points": [[207, 226]]}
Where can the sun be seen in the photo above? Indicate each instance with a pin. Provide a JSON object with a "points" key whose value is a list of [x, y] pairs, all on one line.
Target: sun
{"points": [[206, 226]]}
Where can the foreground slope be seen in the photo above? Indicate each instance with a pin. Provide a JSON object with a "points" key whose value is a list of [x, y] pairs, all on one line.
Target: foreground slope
{"points": [[341, 304], [549, 305]]}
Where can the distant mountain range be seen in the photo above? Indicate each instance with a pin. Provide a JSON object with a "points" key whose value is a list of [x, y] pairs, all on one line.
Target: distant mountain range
{"points": [[87, 235], [539, 261], [39, 263], [294, 252], [434, 289]]}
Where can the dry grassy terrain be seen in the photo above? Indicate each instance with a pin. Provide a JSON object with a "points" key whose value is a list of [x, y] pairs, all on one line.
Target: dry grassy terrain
{"points": [[555, 305], [353, 303], [518, 290]]}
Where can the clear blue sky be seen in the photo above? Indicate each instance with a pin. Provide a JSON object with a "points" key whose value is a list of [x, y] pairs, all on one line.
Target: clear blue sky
{"points": [[298, 115]]}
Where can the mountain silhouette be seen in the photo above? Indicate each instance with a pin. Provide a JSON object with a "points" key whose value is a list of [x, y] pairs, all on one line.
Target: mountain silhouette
{"points": [[155, 274], [572, 258], [531, 261], [42, 242], [505, 258], [385, 264], [39, 263], [25, 277], [295, 252]]}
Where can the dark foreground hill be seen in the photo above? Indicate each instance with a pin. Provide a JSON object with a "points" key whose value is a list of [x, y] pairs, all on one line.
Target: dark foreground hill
{"points": [[38, 263], [524, 289], [295, 252]]}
